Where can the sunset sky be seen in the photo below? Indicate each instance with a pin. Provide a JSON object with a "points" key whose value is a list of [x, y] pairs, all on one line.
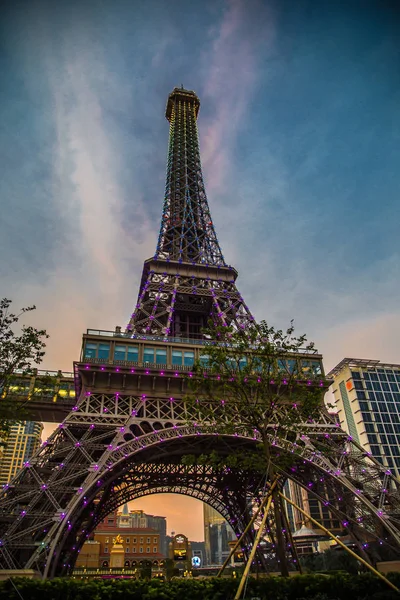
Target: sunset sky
{"points": [[299, 133]]}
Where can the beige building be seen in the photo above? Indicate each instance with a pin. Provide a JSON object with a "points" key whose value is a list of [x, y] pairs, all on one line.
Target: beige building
{"points": [[23, 441], [367, 397], [139, 543]]}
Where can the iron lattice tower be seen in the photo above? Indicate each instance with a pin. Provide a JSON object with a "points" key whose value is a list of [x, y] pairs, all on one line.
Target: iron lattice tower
{"points": [[131, 425], [187, 282]]}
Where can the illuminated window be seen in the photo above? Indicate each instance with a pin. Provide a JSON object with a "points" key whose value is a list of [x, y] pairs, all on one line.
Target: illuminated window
{"points": [[311, 367]]}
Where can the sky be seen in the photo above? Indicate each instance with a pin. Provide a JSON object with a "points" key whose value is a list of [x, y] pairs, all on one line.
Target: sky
{"points": [[299, 132]]}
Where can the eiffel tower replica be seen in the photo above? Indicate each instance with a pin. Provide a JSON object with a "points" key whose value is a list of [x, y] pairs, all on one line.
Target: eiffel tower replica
{"points": [[131, 425]]}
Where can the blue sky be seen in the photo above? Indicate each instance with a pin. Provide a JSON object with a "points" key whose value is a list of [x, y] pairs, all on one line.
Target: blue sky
{"points": [[299, 133]]}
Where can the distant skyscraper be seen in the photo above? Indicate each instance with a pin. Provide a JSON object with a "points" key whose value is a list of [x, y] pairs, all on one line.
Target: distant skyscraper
{"points": [[22, 442], [217, 534], [367, 395]]}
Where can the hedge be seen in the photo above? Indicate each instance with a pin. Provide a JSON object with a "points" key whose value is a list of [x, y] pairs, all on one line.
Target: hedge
{"points": [[301, 587]]}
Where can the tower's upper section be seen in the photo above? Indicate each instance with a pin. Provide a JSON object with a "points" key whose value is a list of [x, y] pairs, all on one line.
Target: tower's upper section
{"points": [[187, 233], [179, 94]]}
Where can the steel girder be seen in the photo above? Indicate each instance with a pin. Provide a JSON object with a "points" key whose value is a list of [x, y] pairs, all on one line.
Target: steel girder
{"points": [[96, 458], [187, 232]]}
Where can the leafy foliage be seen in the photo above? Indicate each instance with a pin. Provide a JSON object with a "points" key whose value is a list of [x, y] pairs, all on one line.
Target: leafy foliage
{"points": [[308, 587], [262, 381], [19, 354]]}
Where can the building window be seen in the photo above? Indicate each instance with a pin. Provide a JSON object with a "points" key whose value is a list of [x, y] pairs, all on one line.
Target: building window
{"points": [[134, 550], [105, 550], [356, 375], [97, 350], [127, 550], [129, 353], [161, 356], [176, 357], [311, 367], [107, 540], [155, 549], [188, 359], [141, 549], [141, 540], [90, 350], [128, 540], [204, 360], [148, 354], [148, 540], [148, 549], [134, 540], [155, 540]]}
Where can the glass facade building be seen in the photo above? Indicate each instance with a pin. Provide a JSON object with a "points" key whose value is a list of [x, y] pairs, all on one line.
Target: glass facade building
{"points": [[23, 441], [367, 396], [217, 535]]}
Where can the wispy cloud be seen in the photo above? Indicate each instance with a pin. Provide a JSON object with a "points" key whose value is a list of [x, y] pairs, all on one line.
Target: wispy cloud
{"points": [[232, 66]]}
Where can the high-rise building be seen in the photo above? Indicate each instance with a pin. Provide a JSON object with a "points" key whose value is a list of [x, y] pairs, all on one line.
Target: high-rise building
{"points": [[23, 441], [217, 535], [367, 396]]}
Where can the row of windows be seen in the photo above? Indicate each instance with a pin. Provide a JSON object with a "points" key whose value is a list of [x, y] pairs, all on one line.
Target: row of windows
{"points": [[377, 376], [180, 357], [383, 428], [141, 550], [380, 396], [127, 563], [377, 386], [128, 539], [131, 353], [382, 407]]}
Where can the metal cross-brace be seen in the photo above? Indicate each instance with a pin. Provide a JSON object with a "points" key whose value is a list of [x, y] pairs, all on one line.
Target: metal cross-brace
{"points": [[130, 428]]}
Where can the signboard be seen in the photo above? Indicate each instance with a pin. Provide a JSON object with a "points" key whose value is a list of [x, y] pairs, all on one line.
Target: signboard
{"points": [[180, 554], [196, 562]]}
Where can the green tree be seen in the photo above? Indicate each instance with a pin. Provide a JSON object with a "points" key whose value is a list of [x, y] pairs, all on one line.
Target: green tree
{"points": [[264, 382], [19, 354]]}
